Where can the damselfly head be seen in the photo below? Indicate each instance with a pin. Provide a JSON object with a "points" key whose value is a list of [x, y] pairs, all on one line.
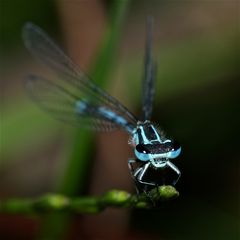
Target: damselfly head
{"points": [[173, 148], [150, 144], [167, 150]]}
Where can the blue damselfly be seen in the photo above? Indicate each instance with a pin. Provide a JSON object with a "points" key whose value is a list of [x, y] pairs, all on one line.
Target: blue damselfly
{"points": [[73, 98]]}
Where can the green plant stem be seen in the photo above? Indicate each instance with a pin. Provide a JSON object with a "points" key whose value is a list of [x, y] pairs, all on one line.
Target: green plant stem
{"points": [[87, 204], [73, 181]]}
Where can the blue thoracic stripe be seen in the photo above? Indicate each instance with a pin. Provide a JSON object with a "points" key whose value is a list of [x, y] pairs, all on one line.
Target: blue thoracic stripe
{"points": [[150, 133], [143, 134], [139, 137], [147, 135], [156, 134]]}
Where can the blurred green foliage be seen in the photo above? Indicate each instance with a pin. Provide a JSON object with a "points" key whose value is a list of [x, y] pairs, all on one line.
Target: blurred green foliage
{"points": [[14, 13], [19, 138]]}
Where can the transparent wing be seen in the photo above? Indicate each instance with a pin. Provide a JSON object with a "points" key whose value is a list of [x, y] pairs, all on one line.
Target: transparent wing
{"points": [[65, 106], [71, 86], [149, 74]]}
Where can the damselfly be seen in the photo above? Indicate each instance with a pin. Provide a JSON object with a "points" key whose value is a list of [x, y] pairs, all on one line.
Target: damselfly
{"points": [[73, 98]]}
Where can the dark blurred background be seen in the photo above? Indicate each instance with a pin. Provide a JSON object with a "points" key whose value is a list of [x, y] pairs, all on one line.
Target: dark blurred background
{"points": [[196, 44]]}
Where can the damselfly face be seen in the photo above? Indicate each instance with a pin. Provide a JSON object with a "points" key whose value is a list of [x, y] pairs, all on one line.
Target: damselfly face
{"points": [[151, 145]]}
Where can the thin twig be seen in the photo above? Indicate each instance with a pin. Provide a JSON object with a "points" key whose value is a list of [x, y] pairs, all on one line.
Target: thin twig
{"points": [[87, 205]]}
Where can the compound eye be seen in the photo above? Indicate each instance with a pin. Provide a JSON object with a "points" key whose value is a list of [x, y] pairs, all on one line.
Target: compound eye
{"points": [[142, 149], [175, 145], [172, 145]]}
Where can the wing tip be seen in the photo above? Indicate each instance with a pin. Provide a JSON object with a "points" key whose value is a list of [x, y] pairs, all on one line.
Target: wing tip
{"points": [[27, 30], [25, 33], [29, 25]]}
